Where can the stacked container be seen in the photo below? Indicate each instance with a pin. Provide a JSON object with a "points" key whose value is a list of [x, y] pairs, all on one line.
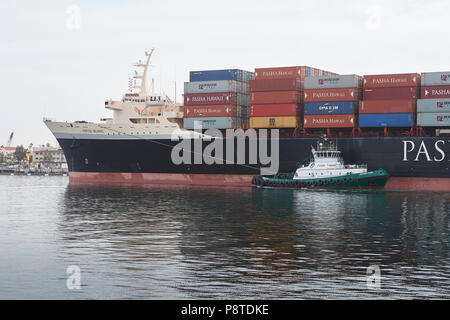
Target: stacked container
{"points": [[331, 101], [433, 109], [389, 100], [216, 99], [276, 96]]}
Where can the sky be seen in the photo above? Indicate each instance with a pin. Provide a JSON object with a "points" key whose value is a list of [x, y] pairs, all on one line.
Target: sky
{"points": [[62, 59]]}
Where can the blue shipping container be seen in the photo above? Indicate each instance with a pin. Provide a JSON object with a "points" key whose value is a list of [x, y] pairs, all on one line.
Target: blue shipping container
{"points": [[216, 75], [212, 123], [386, 120], [335, 107]]}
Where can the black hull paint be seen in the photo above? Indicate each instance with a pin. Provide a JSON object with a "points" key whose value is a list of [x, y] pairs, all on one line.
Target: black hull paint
{"points": [[425, 156]]}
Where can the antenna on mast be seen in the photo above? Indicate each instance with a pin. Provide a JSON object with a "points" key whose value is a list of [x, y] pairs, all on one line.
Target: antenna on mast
{"points": [[143, 90], [175, 80]]}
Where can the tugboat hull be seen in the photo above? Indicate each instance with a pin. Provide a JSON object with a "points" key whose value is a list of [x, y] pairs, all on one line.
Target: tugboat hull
{"points": [[371, 180]]}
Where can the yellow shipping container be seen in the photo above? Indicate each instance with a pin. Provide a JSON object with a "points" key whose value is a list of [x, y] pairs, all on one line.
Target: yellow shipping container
{"points": [[273, 122]]}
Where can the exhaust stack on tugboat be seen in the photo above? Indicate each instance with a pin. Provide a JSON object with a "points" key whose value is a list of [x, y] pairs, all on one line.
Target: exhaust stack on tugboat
{"points": [[326, 169]]}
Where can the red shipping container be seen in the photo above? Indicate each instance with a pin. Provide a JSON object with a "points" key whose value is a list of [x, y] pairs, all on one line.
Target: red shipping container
{"points": [[291, 84], [279, 73], [392, 80], [275, 97], [387, 106], [345, 94], [267, 110], [210, 111], [435, 92], [329, 121], [400, 93], [196, 99]]}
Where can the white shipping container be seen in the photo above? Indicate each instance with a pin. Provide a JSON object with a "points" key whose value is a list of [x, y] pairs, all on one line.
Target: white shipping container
{"points": [[330, 82], [433, 119], [216, 86], [441, 78], [433, 105]]}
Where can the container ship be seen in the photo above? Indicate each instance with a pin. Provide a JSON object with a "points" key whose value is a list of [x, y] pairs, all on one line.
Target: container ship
{"points": [[398, 122]]}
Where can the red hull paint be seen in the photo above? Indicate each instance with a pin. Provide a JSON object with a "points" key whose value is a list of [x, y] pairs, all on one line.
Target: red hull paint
{"points": [[161, 178], [393, 184], [418, 184]]}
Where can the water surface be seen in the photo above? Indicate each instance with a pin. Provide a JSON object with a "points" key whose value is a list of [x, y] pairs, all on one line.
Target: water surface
{"points": [[161, 242]]}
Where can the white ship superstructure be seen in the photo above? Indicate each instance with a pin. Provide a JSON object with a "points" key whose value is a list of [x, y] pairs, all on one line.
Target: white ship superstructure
{"points": [[138, 114], [327, 163]]}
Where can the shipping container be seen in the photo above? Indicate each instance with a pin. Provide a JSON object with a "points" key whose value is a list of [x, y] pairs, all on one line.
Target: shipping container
{"points": [[265, 110], [275, 97], [212, 111], [392, 80], [433, 105], [288, 72], [339, 94], [279, 73], [387, 106], [329, 82], [273, 122], [329, 121], [244, 111], [291, 84], [212, 123], [399, 93], [433, 119], [441, 78], [386, 120], [435, 92], [216, 75], [192, 99], [216, 86], [334, 107]]}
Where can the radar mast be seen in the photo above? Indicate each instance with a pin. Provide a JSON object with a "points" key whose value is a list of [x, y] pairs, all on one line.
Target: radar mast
{"points": [[143, 89]]}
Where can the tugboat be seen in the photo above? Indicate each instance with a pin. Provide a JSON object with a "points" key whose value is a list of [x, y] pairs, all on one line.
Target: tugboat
{"points": [[326, 169]]}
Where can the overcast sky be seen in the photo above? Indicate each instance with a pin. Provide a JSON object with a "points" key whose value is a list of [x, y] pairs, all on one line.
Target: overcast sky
{"points": [[62, 59]]}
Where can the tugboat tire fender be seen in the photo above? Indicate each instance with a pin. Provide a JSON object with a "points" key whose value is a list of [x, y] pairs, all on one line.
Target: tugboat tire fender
{"points": [[259, 182]]}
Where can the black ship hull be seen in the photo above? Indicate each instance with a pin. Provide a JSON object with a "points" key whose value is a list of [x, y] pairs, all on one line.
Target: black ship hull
{"points": [[410, 161]]}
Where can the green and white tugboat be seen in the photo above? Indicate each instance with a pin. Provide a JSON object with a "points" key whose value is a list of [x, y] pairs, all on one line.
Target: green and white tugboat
{"points": [[326, 169]]}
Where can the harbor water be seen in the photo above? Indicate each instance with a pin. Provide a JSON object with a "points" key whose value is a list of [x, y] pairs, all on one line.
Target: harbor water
{"points": [[161, 242]]}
